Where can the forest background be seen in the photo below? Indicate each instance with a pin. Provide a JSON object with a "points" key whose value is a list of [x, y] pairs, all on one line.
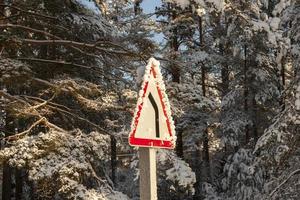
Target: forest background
{"points": [[70, 72]]}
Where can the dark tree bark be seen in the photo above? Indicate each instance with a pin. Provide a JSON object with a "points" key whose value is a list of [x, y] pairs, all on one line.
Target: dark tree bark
{"points": [[282, 73], [179, 145], [206, 148], [175, 72], [254, 107], [205, 142], [137, 7], [19, 183], [203, 80], [174, 41], [6, 182], [1, 21], [246, 93], [224, 74], [113, 144]]}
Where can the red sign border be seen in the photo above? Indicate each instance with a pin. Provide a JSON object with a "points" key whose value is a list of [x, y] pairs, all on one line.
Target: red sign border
{"points": [[143, 142]]}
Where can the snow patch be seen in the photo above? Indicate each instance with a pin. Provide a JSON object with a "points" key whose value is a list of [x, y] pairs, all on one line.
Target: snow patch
{"points": [[274, 23], [281, 6]]}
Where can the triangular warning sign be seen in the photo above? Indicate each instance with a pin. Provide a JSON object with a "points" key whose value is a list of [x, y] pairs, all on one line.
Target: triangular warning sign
{"points": [[152, 124]]}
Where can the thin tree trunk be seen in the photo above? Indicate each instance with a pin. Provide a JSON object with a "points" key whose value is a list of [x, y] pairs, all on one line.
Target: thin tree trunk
{"points": [[205, 143], [31, 189], [224, 74], [282, 72], [137, 7], [246, 93], [203, 80], [179, 145], [2, 22], [206, 148], [113, 144], [175, 71], [255, 131], [200, 29]]}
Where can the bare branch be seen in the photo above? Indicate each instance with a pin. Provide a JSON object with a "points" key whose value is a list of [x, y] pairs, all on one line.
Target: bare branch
{"points": [[77, 44], [103, 131], [99, 180], [42, 104], [67, 112], [22, 134], [283, 182], [54, 62], [29, 29], [29, 12], [50, 103]]}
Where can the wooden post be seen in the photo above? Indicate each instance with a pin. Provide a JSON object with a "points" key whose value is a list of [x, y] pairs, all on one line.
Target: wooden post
{"points": [[148, 185]]}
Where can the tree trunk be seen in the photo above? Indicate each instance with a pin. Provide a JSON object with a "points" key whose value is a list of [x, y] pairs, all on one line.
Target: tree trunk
{"points": [[282, 72], [137, 7], [206, 148], [2, 22], [179, 145], [224, 74], [203, 80], [19, 183], [6, 182], [200, 29], [254, 106], [175, 72], [113, 144], [246, 93], [205, 143]]}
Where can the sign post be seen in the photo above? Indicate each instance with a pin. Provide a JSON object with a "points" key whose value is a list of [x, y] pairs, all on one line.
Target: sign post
{"points": [[152, 127], [148, 188]]}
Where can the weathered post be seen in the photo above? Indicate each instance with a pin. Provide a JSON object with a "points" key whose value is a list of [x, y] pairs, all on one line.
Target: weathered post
{"points": [[148, 186]]}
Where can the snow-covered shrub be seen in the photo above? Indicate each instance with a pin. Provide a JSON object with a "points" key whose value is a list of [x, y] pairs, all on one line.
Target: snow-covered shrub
{"points": [[243, 177], [281, 138], [175, 178], [71, 165]]}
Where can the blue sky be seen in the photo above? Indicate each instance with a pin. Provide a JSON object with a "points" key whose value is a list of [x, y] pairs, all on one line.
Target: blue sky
{"points": [[149, 5]]}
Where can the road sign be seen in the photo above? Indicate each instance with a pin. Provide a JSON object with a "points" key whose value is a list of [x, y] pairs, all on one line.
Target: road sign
{"points": [[152, 124]]}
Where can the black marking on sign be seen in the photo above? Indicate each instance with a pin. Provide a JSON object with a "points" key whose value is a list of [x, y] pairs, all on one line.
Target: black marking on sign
{"points": [[154, 105]]}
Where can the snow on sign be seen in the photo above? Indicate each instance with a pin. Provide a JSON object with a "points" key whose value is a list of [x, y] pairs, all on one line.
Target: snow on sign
{"points": [[152, 124]]}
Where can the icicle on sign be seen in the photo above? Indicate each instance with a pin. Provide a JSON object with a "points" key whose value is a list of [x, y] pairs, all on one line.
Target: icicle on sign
{"points": [[152, 124]]}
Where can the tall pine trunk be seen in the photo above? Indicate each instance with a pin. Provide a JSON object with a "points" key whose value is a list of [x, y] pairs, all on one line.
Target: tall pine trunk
{"points": [[224, 73], [205, 143], [246, 93], [113, 144], [282, 73], [175, 72], [19, 183], [6, 182]]}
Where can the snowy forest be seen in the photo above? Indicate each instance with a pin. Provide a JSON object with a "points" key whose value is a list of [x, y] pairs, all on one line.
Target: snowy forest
{"points": [[70, 75]]}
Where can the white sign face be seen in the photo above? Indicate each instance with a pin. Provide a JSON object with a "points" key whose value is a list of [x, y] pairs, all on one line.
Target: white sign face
{"points": [[152, 124], [152, 119]]}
